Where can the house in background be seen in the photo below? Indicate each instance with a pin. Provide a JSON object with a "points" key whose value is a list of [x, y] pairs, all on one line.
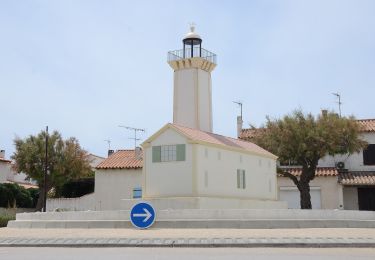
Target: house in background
{"points": [[341, 182], [118, 178], [8, 175]]}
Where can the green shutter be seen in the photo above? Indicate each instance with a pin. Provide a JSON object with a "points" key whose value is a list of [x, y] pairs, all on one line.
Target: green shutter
{"points": [[180, 152], [156, 153], [238, 178], [244, 179]]}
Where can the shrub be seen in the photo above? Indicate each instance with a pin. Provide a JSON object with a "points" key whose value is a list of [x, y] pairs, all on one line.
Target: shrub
{"points": [[5, 218]]}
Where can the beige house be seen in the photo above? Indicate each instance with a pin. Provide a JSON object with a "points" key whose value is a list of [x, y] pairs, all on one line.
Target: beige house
{"points": [[211, 170], [341, 182], [117, 178]]}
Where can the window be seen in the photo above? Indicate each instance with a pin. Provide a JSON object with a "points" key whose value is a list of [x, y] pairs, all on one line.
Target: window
{"points": [[241, 180], [369, 155], [137, 193], [168, 153]]}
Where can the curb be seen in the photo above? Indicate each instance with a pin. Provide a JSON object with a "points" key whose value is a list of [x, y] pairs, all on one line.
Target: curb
{"points": [[299, 242]]}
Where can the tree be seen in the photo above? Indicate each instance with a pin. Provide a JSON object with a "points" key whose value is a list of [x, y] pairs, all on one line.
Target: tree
{"points": [[305, 139], [66, 161]]}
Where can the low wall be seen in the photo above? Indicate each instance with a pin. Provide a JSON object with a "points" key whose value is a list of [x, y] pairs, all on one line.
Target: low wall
{"points": [[14, 211], [83, 203], [205, 203]]}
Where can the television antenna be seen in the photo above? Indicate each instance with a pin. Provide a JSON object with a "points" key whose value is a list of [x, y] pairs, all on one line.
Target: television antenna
{"points": [[136, 130], [109, 143], [339, 102]]}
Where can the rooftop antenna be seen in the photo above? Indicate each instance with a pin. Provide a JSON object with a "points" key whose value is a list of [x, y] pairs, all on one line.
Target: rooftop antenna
{"points": [[135, 133], [240, 104], [109, 143], [339, 102]]}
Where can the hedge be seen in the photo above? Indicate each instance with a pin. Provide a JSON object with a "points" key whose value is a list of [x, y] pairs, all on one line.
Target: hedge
{"points": [[5, 218], [14, 195], [78, 188]]}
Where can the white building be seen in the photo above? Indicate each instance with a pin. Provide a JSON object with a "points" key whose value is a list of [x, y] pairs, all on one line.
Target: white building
{"points": [[186, 160], [208, 170], [117, 178]]}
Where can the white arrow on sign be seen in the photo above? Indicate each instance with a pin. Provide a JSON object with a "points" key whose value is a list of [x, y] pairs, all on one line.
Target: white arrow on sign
{"points": [[147, 215]]}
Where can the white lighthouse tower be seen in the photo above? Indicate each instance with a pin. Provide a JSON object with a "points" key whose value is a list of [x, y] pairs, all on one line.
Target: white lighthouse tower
{"points": [[192, 98]]}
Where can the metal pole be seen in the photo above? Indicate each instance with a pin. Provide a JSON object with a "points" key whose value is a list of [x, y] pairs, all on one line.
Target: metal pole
{"points": [[45, 173]]}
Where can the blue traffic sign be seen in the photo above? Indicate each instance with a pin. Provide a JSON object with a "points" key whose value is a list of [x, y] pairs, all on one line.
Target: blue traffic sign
{"points": [[142, 215]]}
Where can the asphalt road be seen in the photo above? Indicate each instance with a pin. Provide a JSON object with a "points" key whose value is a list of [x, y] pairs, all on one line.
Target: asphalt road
{"points": [[16, 253]]}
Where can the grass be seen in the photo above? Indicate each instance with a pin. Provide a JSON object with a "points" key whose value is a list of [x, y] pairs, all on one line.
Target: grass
{"points": [[4, 218]]}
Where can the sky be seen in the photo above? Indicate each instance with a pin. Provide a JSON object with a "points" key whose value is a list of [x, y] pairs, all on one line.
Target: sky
{"points": [[85, 67]]}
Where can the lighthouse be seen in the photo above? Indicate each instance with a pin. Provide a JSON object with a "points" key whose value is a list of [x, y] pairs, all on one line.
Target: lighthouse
{"points": [[192, 87]]}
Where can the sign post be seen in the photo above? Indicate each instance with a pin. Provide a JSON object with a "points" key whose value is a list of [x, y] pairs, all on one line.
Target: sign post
{"points": [[142, 215]]}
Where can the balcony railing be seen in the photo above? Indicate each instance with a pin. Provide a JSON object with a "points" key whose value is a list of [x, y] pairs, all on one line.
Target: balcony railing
{"points": [[197, 52]]}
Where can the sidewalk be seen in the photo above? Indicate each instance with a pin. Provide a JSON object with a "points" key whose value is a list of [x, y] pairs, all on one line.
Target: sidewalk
{"points": [[328, 237]]}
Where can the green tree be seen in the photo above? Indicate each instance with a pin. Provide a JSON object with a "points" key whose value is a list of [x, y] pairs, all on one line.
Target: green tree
{"points": [[304, 139], [66, 161]]}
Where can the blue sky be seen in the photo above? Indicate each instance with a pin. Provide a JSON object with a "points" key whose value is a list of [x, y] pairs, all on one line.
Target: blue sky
{"points": [[85, 67]]}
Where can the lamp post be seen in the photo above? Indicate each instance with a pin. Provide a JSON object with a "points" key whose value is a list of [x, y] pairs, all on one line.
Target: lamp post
{"points": [[45, 173]]}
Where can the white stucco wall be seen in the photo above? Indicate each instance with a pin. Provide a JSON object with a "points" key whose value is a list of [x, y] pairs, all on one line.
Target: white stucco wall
{"points": [[353, 162], [350, 198], [329, 190], [4, 171], [216, 174], [167, 179], [111, 186], [192, 99]]}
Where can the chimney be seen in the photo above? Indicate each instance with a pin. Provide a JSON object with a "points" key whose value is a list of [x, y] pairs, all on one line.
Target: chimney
{"points": [[239, 126], [110, 152], [138, 153], [324, 112], [2, 154]]}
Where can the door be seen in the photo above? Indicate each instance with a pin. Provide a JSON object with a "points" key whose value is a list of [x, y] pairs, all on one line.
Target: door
{"points": [[366, 198], [292, 196]]}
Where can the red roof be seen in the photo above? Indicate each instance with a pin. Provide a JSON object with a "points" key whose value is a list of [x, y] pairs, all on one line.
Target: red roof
{"points": [[122, 159], [207, 137], [320, 171], [357, 178], [4, 160], [367, 125]]}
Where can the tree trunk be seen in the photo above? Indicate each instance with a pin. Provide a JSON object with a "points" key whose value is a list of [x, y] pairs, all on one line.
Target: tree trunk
{"points": [[304, 189], [39, 204]]}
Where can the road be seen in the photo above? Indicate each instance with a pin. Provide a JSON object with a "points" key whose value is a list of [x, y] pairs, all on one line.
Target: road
{"points": [[16, 253]]}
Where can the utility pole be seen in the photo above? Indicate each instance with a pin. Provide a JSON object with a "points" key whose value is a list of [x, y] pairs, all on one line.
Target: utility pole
{"points": [[339, 102], [135, 133], [240, 104], [45, 173]]}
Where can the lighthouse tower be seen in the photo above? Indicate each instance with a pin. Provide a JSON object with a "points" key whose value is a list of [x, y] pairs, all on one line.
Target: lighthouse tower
{"points": [[192, 98]]}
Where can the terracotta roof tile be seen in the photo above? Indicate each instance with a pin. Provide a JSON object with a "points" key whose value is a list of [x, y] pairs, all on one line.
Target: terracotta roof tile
{"points": [[367, 125], [4, 160], [357, 178], [320, 171], [122, 159], [198, 135]]}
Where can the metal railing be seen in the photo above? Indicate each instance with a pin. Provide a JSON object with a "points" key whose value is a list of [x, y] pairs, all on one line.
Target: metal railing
{"points": [[197, 52]]}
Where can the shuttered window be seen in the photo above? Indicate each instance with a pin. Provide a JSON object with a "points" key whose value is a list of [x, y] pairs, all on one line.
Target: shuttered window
{"points": [[241, 179], [169, 153], [156, 154]]}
